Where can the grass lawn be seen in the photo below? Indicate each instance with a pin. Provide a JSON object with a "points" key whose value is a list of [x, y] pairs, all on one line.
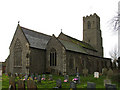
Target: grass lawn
{"points": [[50, 84]]}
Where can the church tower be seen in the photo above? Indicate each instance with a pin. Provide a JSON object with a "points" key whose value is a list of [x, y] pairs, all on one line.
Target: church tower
{"points": [[92, 32]]}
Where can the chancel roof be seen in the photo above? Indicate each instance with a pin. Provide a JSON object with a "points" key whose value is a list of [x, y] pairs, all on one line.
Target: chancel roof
{"points": [[73, 44], [36, 39]]}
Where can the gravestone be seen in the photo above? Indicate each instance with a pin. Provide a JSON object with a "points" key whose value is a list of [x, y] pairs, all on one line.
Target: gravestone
{"points": [[59, 83], [91, 86], [20, 75], [21, 85], [96, 74], [107, 81], [26, 77], [66, 77], [110, 87], [72, 85], [77, 74], [85, 72], [31, 85], [104, 71], [109, 73], [39, 79], [12, 82], [50, 77], [78, 81], [43, 77]]}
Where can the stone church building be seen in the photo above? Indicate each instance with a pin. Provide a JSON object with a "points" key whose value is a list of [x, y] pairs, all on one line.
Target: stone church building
{"points": [[35, 52]]}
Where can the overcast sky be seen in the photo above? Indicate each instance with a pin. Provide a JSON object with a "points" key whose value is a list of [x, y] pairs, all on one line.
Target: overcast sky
{"points": [[50, 16]]}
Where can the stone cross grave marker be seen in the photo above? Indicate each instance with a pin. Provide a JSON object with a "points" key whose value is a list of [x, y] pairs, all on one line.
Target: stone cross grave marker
{"points": [[12, 82], [21, 84], [39, 79], [110, 87], [50, 77], [91, 85], [96, 74], [66, 78], [107, 81], [59, 83], [31, 85], [72, 85]]}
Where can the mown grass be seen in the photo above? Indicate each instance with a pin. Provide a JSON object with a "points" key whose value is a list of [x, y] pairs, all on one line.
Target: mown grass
{"points": [[50, 84]]}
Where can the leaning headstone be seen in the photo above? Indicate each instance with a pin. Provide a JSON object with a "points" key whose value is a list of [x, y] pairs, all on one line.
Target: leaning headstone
{"points": [[50, 77], [39, 79], [96, 74], [59, 83], [12, 82], [107, 81], [85, 72], [72, 86], [66, 78], [109, 73], [21, 84], [110, 87], [91, 86], [31, 85]]}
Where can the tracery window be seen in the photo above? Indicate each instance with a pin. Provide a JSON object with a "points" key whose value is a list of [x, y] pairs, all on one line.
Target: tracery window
{"points": [[53, 57], [89, 25], [17, 53]]}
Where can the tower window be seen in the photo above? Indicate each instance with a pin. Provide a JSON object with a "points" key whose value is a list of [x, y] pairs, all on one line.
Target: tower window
{"points": [[53, 57], [89, 24]]}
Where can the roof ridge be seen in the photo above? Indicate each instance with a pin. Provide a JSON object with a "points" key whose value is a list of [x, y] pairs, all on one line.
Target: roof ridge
{"points": [[34, 31]]}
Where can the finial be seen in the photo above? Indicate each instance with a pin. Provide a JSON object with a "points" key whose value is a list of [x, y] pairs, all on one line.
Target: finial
{"points": [[18, 22], [61, 30]]}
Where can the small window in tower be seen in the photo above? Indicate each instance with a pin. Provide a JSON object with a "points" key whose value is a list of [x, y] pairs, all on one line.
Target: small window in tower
{"points": [[89, 25]]}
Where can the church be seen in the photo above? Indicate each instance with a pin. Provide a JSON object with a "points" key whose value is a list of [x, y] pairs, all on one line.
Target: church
{"points": [[35, 52]]}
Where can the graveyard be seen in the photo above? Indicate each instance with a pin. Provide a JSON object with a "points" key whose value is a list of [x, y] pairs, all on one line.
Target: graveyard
{"points": [[55, 81]]}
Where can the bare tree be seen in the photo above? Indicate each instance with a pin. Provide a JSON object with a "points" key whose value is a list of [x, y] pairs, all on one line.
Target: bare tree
{"points": [[114, 54]]}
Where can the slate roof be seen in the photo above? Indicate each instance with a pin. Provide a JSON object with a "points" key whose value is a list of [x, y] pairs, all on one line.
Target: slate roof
{"points": [[36, 39], [72, 46], [80, 43]]}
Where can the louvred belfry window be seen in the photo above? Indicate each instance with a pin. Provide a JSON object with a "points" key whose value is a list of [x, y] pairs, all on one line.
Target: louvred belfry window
{"points": [[17, 53]]}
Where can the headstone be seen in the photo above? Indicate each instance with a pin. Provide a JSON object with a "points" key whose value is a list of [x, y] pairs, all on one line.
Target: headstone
{"points": [[104, 71], [26, 77], [66, 78], [72, 85], [50, 77], [91, 86], [107, 81], [85, 72], [20, 75], [39, 79], [109, 73], [78, 82], [58, 83], [12, 82], [21, 84], [110, 87], [96, 74], [31, 85], [43, 77], [77, 74]]}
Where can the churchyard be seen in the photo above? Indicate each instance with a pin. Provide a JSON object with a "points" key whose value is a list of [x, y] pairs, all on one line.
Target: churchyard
{"points": [[57, 81]]}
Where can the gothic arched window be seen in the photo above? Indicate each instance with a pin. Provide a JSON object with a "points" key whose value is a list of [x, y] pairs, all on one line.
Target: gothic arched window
{"points": [[17, 53], [53, 57], [88, 24]]}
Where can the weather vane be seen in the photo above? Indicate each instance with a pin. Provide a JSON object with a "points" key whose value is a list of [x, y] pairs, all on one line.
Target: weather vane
{"points": [[18, 22], [61, 30]]}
